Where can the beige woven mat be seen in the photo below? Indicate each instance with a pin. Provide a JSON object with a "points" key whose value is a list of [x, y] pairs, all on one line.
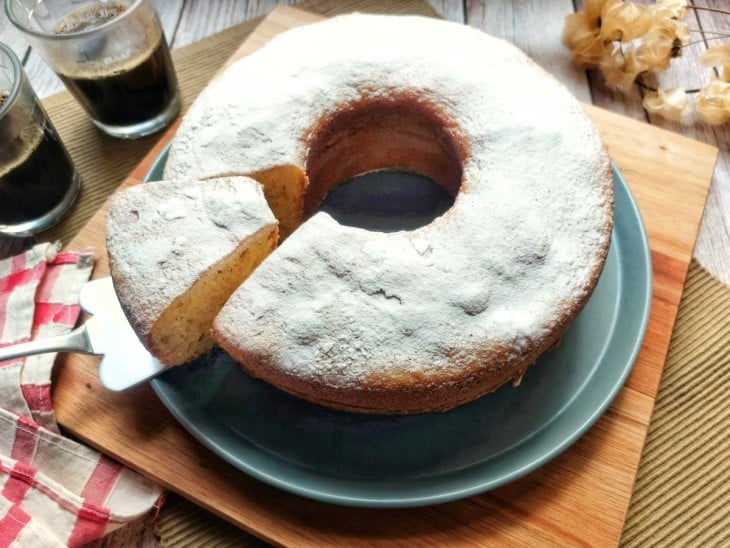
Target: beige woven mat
{"points": [[682, 494], [682, 491]]}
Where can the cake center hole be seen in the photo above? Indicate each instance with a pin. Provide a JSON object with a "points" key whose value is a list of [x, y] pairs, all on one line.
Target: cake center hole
{"points": [[387, 201], [384, 165]]}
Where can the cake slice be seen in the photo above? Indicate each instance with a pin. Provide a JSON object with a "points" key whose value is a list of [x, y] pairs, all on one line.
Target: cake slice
{"points": [[178, 249]]}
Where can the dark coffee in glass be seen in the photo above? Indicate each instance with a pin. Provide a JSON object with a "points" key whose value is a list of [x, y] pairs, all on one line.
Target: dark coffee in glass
{"points": [[132, 96], [38, 182], [128, 93]]}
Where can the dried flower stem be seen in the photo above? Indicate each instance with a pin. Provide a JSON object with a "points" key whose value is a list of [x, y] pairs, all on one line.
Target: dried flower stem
{"points": [[706, 8], [717, 33], [703, 40]]}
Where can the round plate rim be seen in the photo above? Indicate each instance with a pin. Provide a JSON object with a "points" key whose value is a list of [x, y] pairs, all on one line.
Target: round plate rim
{"points": [[443, 493]]}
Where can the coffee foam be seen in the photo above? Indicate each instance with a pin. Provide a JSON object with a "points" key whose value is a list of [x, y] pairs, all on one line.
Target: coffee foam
{"points": [[95, 70], [89, 18], [95, 16]]}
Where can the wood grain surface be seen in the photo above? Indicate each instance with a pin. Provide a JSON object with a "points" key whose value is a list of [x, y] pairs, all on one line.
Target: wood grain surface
{"points": [[578, 498]]}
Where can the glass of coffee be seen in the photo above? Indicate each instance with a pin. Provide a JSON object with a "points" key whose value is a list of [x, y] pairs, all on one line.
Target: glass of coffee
{"points": [[38, 181], [112, 55]]}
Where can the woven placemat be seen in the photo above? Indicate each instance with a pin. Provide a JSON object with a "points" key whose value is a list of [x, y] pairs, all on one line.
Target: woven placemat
{"points": [[682, 493]]}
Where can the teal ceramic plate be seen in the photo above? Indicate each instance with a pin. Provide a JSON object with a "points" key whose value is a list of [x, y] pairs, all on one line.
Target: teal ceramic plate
{"points": [[398, 461]]}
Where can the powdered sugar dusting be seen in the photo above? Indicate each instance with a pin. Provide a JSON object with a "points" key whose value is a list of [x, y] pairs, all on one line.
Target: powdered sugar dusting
{"points": [[161, 236], [518, 251]]}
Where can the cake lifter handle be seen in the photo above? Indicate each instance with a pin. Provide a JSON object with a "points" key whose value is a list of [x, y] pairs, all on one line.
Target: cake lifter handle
{"points": [[73, 341], [125, 363]]}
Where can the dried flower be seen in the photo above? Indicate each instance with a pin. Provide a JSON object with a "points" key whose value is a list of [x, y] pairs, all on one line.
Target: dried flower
{"points": [[594, 9], [713, 103], [670, 103], [718, 57], [673, 9], [626, 39], [582, 33], [621, 69], [658, 46], [587, 47], [681, 30], [625, 21]]}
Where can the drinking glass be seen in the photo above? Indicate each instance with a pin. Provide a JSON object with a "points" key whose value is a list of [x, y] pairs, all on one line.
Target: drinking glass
{"points": [[38, 181], [112, 56]]}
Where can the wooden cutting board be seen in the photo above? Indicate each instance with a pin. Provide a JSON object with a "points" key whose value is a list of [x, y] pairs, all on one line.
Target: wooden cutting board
{"points": [[580, 497]]}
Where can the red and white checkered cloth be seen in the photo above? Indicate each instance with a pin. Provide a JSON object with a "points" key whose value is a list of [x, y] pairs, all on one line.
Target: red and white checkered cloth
{"points": [[53, 490]]}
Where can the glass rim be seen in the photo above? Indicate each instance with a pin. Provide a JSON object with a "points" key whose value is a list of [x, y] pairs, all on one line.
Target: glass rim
{"points": [[17, 77], [71, 35]]}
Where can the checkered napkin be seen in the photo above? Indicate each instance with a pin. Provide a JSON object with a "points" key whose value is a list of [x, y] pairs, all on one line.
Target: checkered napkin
{"points": [[53, 491]]}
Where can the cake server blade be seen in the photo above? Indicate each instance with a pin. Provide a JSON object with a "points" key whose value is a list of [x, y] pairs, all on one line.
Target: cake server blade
{"points": [[125, 362]]}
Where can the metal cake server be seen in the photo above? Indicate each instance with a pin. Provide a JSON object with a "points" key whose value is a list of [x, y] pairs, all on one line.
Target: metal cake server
{"points": [[107, 332]]}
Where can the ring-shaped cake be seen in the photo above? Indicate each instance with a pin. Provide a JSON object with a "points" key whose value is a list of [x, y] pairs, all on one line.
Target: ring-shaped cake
{"points": [[415, 320]]}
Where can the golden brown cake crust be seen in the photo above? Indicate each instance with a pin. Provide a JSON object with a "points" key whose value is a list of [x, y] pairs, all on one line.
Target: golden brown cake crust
{"points": [[168, 239], [418, 320]]}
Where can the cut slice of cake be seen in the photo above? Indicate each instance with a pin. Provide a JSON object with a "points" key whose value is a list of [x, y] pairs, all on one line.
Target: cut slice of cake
{"points": [[178, 249]]}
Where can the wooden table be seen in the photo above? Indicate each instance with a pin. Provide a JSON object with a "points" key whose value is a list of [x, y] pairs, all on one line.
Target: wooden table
{"points": [[532, 25]]}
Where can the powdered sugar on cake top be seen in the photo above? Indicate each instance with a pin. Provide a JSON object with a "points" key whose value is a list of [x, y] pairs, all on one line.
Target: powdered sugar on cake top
{"points": [[518, 251], [162, 236]]}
